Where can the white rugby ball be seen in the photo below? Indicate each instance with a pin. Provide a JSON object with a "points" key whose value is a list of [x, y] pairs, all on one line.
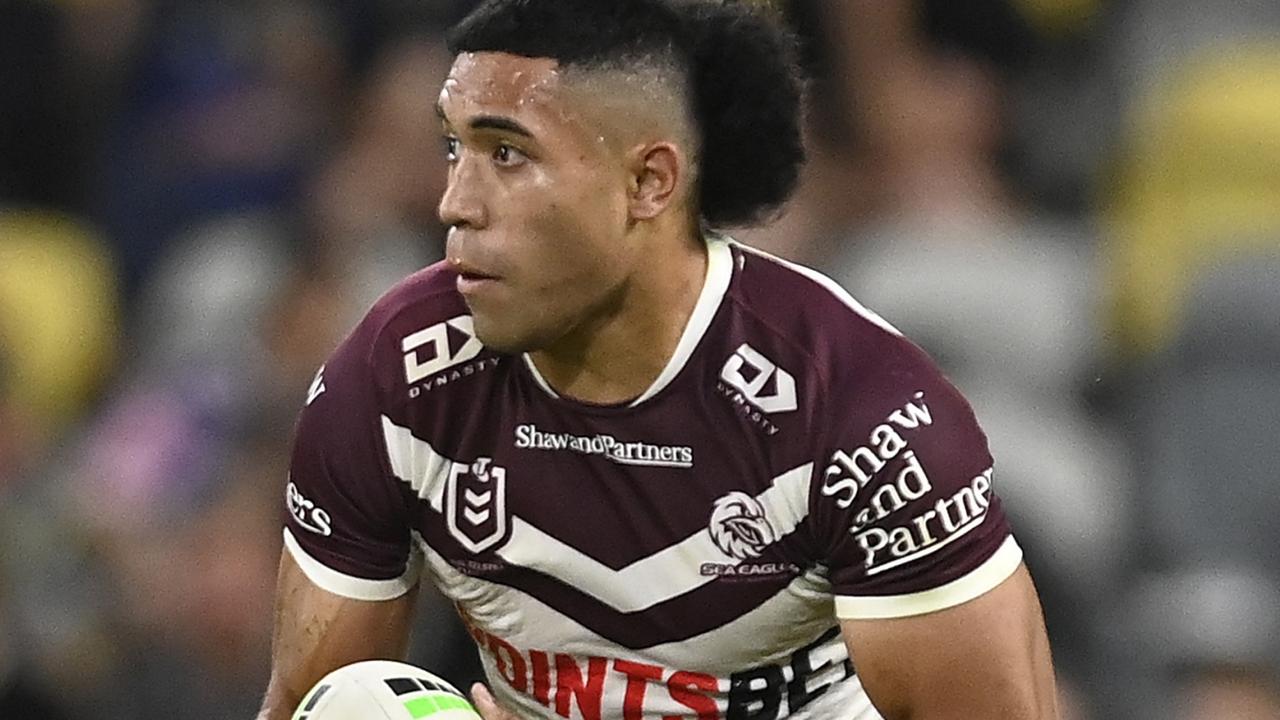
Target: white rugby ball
{"points": [[384, 690]]}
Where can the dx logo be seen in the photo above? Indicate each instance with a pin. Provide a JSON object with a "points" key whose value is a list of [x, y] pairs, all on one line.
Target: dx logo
{"points": [[750, 373], [434, 345]]}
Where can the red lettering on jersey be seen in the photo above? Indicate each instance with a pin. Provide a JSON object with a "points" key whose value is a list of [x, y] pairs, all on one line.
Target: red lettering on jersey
{"points": [[569, 685], [638, 676], [691, 689], [512, 667], [541, 677], [684, 685]]}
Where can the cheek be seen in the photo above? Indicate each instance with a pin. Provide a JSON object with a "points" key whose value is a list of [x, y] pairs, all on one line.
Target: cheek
{"points": [[567, 247], [580, 232]]}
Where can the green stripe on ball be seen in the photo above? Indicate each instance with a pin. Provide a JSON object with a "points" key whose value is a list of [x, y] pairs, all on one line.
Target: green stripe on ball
{"points": [[424, 706]]}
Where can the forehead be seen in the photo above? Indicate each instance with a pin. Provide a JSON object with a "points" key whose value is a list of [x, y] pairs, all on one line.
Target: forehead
{"points": [[501, 83]]}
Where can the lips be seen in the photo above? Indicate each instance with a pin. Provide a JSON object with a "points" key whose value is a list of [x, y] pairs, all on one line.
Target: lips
{"points": [[471, 278]]}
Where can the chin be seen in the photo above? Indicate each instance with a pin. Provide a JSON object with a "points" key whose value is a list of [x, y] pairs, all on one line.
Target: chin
{"points": [[503, 337]]}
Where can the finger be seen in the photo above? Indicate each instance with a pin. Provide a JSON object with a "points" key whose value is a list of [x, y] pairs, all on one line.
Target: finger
{"points": [[485, 704]]}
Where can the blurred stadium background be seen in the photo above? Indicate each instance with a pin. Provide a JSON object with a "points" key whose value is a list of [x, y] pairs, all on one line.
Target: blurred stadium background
{"points": [[1074, 204]]}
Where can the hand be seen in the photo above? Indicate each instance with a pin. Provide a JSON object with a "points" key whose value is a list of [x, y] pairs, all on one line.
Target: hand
{"points": [[488, 707]]}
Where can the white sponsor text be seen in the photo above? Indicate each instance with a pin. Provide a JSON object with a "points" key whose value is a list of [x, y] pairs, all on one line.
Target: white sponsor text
{"points": [[529, 437], [948, 520], [849, 472], [310, 517]]}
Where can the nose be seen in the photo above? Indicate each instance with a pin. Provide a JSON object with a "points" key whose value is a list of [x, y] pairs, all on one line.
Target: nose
{"points": [[462, 205]]}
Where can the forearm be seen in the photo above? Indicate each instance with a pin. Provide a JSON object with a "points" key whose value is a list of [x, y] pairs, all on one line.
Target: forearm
{"points": [[317, 632], [277, 705]]}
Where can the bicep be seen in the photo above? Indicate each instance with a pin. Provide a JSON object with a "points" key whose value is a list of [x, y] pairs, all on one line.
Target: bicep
{"points": [[317, 631], [986, 658]]}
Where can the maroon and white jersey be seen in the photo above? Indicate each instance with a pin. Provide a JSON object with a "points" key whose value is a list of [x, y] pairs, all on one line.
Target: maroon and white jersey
{"points": [[688, 554]]}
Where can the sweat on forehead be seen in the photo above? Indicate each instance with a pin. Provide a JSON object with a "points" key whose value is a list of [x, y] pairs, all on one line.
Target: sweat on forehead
{"points": [[499, 77]]}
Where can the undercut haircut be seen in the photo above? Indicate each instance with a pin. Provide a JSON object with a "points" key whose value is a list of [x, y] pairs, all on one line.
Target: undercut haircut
{"points": [[739, 65]]}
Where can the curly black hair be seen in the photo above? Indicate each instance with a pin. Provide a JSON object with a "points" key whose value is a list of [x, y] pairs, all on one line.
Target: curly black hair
{"points": [[739, 64]]}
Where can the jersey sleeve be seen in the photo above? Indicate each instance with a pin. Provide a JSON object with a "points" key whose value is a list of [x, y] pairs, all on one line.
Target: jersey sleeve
{"points": [[347, 523], [906, 506]]}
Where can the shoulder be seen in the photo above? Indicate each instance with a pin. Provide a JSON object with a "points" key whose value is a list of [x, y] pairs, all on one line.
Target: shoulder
{"points": [[417, 338], [416, 331], [427, 296], [422, 311], [849, 346], [858, 368]]}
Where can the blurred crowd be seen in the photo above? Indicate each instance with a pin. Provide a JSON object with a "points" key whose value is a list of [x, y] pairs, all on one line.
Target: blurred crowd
{"points": [[1074, 205]]}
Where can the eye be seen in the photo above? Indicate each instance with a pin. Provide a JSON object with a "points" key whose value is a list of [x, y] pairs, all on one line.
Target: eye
{"points": [[451, 149], [507, 156]]}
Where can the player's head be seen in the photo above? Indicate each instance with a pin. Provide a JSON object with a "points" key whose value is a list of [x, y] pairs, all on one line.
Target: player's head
{"points": [[584, 133]]}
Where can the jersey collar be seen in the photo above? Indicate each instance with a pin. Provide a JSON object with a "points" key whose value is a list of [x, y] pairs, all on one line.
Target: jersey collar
{"points": [[714, 287]]}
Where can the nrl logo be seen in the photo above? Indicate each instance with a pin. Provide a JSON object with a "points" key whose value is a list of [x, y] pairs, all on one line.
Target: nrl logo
{"points": [[476, 504], [739, 527]]}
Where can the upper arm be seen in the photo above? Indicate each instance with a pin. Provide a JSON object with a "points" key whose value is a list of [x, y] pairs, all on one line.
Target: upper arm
{"points": [[349, 565], [986, 658], [317, 631], [940, 614], [906, 511]]}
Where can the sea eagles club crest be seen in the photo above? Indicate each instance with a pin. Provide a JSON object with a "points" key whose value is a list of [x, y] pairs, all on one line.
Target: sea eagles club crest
{"points": [[739, 526], [476, 504]]}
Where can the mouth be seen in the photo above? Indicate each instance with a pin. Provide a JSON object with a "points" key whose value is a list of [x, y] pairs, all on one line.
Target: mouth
{"points": [[471, 280]]}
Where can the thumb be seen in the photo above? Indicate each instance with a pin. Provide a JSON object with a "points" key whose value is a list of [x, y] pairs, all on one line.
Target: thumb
{"points": [[486, 704]]}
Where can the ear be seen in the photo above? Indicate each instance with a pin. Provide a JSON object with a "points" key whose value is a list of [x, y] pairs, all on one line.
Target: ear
{"points": [[656, 172]]}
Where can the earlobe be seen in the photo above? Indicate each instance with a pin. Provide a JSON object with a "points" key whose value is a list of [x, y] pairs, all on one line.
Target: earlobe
{"points": [[655, 180]]}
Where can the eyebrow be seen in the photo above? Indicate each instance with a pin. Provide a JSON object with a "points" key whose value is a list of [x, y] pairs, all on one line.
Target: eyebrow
{"points": [[491, 122]]}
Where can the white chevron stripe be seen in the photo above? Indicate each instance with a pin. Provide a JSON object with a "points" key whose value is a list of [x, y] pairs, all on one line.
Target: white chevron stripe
{"points": [[666, 574], [670, 572], [417, 463]]}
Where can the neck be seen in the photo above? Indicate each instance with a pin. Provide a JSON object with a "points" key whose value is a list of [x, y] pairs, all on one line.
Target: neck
{"points": [[620, 352]]}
